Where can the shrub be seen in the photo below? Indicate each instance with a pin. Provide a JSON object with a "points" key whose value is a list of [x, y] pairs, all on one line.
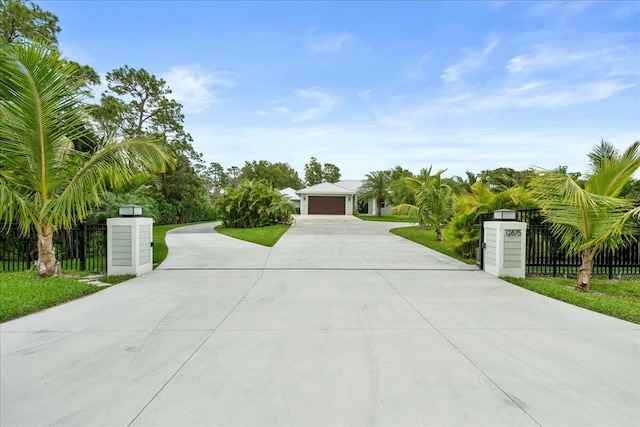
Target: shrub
{"points": [[253, 204]]}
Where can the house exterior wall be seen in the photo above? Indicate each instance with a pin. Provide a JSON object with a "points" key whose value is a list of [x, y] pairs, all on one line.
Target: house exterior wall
{"points": [[373, 208]]}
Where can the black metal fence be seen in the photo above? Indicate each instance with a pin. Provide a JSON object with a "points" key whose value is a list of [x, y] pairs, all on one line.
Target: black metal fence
{"points": [[545, 256], [81, 248]]}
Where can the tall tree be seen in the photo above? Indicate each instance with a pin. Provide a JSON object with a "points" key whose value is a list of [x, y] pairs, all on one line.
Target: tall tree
{"points": [[434, 202], [215, 179], [279, 175], [313, 172], [501, 179], [588, 217], [24, 20], [330, 173], [233, 175], [316, 173], [376, 187], [462, 185], [137, 104], [44, 181], [399, 192]]}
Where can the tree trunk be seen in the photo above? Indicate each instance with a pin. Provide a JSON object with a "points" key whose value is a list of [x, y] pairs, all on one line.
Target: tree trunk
{"points": [[584, 273], [47, 264], [379, 210], [439, 234]]}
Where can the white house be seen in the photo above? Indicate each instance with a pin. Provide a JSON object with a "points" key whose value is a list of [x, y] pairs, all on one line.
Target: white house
{"points": [[338, 198], [292, 197]]}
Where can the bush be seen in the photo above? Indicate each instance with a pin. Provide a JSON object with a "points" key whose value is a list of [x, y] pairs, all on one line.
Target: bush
{"points": [[253, 204]]}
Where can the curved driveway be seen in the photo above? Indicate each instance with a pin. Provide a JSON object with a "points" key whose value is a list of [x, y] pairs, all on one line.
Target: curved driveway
{"points": [[341, 323]]}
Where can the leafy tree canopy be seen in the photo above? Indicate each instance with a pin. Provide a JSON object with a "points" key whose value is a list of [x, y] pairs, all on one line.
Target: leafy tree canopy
{"points": [[44, 181], [590, 216], [24, 21], [316, 173], [137, 104], [376, 187], [278, 175]]}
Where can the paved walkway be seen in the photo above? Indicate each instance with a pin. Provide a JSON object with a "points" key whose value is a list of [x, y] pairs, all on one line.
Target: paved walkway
{"points": [[341, 323]]}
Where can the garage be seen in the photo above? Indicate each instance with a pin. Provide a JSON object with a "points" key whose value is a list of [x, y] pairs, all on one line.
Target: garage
{"points": [[327, 205]]}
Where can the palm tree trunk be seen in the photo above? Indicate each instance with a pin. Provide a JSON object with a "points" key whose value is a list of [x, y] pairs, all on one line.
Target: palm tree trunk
{"points": [[439, 234], [584, 273], [47, 264], [379, 210]]}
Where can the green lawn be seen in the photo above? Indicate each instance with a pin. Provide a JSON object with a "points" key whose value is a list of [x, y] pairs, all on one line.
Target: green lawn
{"points": [[617, 298], [428, 238], [266, 236], [24, 292], [385, 218]]}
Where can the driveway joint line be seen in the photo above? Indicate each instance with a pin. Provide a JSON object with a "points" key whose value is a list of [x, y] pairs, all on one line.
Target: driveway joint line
{"points": [[311, 269], [198, 347], [508, 396]]}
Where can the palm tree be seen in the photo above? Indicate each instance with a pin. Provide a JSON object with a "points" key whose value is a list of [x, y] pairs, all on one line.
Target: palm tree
{"points": [[434, 202], [463, 232], [376, 187], [589, 216], [45, 182]]}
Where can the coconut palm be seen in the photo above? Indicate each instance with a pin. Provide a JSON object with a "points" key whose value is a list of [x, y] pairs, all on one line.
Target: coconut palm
{"points": [[45, 183], [589, 216], [376, 187], [463, 232], [434, 202]]}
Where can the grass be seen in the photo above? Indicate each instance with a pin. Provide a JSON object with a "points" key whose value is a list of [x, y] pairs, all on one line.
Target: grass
{"points": [[428, 238], [617, 298], [266, 236], [24, 292], [385, 218], [116, 278]]}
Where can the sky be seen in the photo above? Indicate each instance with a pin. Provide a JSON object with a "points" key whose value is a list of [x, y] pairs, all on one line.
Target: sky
{"points": [[371, 85]]}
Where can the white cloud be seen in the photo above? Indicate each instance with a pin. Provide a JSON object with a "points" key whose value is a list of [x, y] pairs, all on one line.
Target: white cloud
{"points": [[474, 59], [365, 95], [535, 94], [547, 57], [558, 9], [327, 43], [195, 89], [359, 149], [310, 104]]}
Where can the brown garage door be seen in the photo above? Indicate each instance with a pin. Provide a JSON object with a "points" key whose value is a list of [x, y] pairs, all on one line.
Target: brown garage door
{"points": [[326, 205]]}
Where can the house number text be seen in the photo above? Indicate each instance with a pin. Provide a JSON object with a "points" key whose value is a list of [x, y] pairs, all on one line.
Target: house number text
{"points": [[513, 233]]}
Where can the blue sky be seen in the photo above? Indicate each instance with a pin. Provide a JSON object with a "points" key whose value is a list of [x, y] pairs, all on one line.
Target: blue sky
{"points": [[370, 85]]}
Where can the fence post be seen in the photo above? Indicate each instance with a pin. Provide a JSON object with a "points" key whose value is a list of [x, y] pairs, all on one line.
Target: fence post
{"points": [[83, 256], [553, 254], [610, 265]]}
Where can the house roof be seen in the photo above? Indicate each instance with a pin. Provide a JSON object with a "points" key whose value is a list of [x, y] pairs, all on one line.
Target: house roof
{"points": [[290, 193], [351, 184], [347, 187]]}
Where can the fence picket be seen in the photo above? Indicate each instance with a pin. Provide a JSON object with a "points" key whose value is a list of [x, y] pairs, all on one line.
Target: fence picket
{"points": [[81, 248]]}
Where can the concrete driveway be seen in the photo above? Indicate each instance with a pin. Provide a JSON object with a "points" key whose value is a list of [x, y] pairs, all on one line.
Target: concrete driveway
{"points": [[341, 323]]}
